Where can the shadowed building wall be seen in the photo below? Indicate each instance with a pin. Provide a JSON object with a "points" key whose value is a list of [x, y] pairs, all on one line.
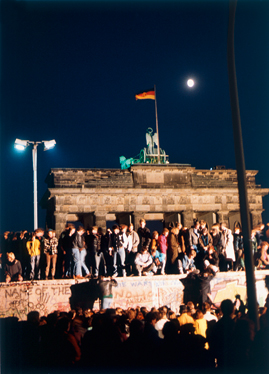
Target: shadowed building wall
{"points": [[166, 193]]}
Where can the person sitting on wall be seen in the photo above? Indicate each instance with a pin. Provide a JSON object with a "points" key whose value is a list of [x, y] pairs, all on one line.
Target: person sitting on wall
{"points": [[187, 260], [144, 262], [159, 260], [211, 259], [13, 269]]}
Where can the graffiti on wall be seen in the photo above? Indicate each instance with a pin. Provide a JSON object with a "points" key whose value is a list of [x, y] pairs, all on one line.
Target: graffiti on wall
{"points": [[19, 299], [151, 292]]}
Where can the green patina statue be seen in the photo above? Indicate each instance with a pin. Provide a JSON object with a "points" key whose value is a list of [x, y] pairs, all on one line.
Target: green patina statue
{"points": [[147, 155]]}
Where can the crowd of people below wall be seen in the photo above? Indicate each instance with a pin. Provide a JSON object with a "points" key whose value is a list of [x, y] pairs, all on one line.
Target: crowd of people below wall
{"points": [[199, 338], [121, 251]]}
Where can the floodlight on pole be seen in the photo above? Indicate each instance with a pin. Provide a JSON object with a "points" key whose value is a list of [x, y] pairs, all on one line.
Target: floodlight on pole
{"points": [[49, 144], [21, 145]]}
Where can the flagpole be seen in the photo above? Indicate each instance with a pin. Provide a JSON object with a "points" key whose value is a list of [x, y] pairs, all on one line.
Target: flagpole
{"points": [[157, 129]]}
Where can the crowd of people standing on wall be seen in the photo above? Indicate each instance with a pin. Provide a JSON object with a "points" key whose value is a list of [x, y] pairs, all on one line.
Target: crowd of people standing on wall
{"points": [[200, 338], [122, 251]]}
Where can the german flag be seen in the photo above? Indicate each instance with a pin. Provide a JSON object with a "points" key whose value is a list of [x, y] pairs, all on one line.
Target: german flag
{"points": [[145, 95]]}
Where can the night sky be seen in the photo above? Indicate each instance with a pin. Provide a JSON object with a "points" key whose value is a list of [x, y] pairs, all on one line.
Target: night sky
{"points": [[70, 72]]}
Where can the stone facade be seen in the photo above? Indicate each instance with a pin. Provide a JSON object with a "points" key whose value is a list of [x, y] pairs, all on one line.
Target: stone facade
{"points": [[166, 193]]}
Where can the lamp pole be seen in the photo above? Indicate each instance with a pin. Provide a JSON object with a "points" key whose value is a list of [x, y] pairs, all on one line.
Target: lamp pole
{"points": [[21, 145], [34, 153], [241, 172]]}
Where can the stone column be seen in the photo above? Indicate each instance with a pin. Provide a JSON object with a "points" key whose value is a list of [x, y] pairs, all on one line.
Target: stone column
{"points": [[137, 217], [100, 220], [256, 217], [60, 222], [187, 218], [223, 216]]}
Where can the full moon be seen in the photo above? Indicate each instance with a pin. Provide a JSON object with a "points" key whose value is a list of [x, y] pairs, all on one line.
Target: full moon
{"points": [[190, 82]]}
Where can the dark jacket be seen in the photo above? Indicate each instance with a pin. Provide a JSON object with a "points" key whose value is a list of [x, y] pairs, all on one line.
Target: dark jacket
{"points": [[13, 268], [144, 236]]}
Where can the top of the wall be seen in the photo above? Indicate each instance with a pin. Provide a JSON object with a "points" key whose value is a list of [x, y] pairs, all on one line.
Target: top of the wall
{"points": [[147, 176]]}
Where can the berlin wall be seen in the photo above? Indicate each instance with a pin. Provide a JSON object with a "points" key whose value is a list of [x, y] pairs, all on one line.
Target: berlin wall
{"points": [[18, 299]]}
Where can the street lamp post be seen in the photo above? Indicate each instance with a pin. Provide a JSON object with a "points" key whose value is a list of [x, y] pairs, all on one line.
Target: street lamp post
{"points": [[21, 145]]}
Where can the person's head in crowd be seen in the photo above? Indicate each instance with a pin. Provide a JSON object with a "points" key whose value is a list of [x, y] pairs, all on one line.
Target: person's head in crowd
{"points": [[140, 316], [227, 308], [165, 232], [23, 234], [80, 230], [199, 314], [223, 226], [118, 311], [165, 308], [144, 249], [211, 249], [100, 231], [162, 313], [144, 310], [39, 233], [131, 315], [174, 230], [155, 235], [206, 307], [33, 317], [94, 230], [202, 224], [115, 229], [237, 230], [197, 225], [170, 330], [151, 318], [187, 329], [190, 308], [51, 233], [136, 328], [183, 309], [215, 230], [6, 235], [191, 253], [171, 315], [259, 227], [142, 223], [252, 234], [123, 228], [178, 225], [204, 231], [218, 313], [10, 257], [131, 227]]}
